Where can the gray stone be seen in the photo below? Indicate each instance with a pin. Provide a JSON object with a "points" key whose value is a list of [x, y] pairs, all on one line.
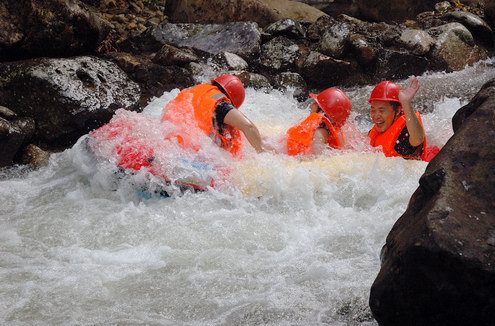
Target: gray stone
{"points": [[417, 41], [241, 38], [169, 55], [288, 28], [477, 26], [455, 47], [279, 54]]}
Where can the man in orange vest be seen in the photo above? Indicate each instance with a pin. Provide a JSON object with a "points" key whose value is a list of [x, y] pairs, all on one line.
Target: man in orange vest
{"points": [[213, 108], [322, 128], [397, 128]]}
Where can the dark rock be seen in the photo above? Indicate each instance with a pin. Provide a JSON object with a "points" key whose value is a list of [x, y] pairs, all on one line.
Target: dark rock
{"points": [[362, 50], [253, 80], [341, 7], [34, 156], [429, 19], [156, 79], [460, 117], [490, 13], [288, 28], [478, 28], [230, 61], [240, 38], [293, 81], [153, 79], [324, 71], [7, 114], [333, 44], [221, 11], [395, 65], [454, 48], [171, 56], [54, 28], [279, 54], [392, 11], [316, 30], [417, 41], [66, 97], [438, 263], [13, 134]]}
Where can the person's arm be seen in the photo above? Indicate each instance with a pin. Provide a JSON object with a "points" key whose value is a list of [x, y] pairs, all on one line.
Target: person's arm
{"points": [[236, 119], [319, 141], [416, 130]]}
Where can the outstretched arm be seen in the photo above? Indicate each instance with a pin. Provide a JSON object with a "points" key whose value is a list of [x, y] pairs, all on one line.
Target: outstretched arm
{"points": [[414, 127], [236, 119]]}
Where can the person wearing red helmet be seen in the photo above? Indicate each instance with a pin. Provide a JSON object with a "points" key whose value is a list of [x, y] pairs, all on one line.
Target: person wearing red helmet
{"points": [[322, 128], [213, 107], [396, 127]]}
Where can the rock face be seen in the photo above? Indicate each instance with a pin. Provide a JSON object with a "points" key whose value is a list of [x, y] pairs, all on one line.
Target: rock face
{"points": [[54, 28], [397, 10], [239, 38], [66, 97], [14, 132], [455, 47], [221, 11], [438, 263]]}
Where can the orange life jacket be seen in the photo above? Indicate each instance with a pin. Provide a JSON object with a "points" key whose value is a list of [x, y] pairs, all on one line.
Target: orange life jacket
{"points": [[388, 138], [194, 108], [300, 136]]}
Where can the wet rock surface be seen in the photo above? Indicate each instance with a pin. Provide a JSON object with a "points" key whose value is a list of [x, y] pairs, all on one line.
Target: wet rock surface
{"points": [[241, 38], [438, 263], [66, 97]]}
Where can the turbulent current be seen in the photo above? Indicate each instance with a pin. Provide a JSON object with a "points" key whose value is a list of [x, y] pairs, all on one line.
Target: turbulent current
{"points": [[278, 241]]}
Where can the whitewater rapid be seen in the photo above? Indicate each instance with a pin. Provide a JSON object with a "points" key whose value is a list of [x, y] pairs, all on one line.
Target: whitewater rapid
{"points": [[282, 241]]}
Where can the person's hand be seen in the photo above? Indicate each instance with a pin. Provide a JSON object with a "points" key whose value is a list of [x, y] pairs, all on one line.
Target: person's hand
{"points": [[406, 95], [269, 148]]}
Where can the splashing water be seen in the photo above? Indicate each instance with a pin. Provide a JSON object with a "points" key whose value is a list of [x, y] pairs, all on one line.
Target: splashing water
{"points": [[282, 241]]}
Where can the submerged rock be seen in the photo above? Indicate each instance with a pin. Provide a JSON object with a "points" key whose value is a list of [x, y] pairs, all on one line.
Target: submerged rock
{"points": [[66, 97], [438, 263], [13, 134]]}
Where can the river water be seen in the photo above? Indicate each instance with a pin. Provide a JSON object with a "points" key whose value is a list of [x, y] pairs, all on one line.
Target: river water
{"points": [[279, 241]]}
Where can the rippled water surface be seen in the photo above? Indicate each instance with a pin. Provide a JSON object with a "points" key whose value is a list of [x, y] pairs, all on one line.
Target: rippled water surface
{"points": [[280, 241]]}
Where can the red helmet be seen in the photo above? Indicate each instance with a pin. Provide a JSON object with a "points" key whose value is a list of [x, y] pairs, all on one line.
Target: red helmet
{"points": [[232, 85], [335, 104], [385, 91]]}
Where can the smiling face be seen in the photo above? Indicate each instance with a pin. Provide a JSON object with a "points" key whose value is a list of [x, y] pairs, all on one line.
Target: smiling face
{"points": [[382, 114]]}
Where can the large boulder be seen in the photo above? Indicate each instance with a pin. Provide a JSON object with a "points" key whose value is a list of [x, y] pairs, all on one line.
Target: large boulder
{"points": [[52, 28], [392, 10], [438, 263], [490, 13], [455, 47], [241, 38], [66, 97], [263, 12]]}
